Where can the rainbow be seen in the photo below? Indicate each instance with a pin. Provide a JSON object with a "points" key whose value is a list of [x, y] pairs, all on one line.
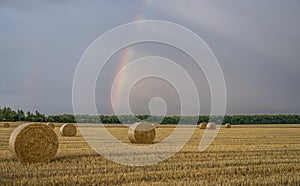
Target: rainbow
{"points": [[126, 57]]}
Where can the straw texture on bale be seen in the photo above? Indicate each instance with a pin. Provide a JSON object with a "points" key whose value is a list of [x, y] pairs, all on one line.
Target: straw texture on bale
{"points": [[227, 125], [68, 130], [211, 126], [33, 143], [51, 125], [6, 125], [142, 133], [203, 125]]}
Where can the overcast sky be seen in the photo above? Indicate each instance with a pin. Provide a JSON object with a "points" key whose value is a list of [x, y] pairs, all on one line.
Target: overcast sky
{"points": [[257, 44]]}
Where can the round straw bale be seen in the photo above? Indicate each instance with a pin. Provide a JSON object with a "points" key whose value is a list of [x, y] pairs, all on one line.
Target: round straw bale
{"points": [[33, 143], [227, 125], [142, 133], [211, 126], [51, 125], [6, 125], [68, 130], [203, 125]]}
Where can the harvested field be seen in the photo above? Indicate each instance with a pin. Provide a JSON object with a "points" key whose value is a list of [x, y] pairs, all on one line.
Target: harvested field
{"points": [[248, 154]]}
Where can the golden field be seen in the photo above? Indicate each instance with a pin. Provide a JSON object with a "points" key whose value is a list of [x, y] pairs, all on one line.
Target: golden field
{"points": [[241, 155]]}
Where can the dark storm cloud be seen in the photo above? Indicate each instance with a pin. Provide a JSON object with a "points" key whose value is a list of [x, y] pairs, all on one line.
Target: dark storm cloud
{"points": [[41, 44], [257, 44]]}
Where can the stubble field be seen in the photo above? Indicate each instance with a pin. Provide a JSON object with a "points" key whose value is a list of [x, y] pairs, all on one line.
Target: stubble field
{"points": [[241, 155]]}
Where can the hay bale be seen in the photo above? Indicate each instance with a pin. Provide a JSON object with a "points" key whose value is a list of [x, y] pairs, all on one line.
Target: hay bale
{"points": [[68, 130], [51, 125], [142, 133], [6, 125], [33, 143], [227, 125], [202, 125], [211, 126]]}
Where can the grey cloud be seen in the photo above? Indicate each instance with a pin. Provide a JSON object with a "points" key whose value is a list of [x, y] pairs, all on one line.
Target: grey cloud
{"points": [[257, 44]]}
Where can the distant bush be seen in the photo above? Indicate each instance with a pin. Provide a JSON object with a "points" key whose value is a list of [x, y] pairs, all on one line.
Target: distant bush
{"points": [[7, 114]]}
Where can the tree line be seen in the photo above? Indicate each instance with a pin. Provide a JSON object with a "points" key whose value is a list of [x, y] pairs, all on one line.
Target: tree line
{"points": [[10, 115]]}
